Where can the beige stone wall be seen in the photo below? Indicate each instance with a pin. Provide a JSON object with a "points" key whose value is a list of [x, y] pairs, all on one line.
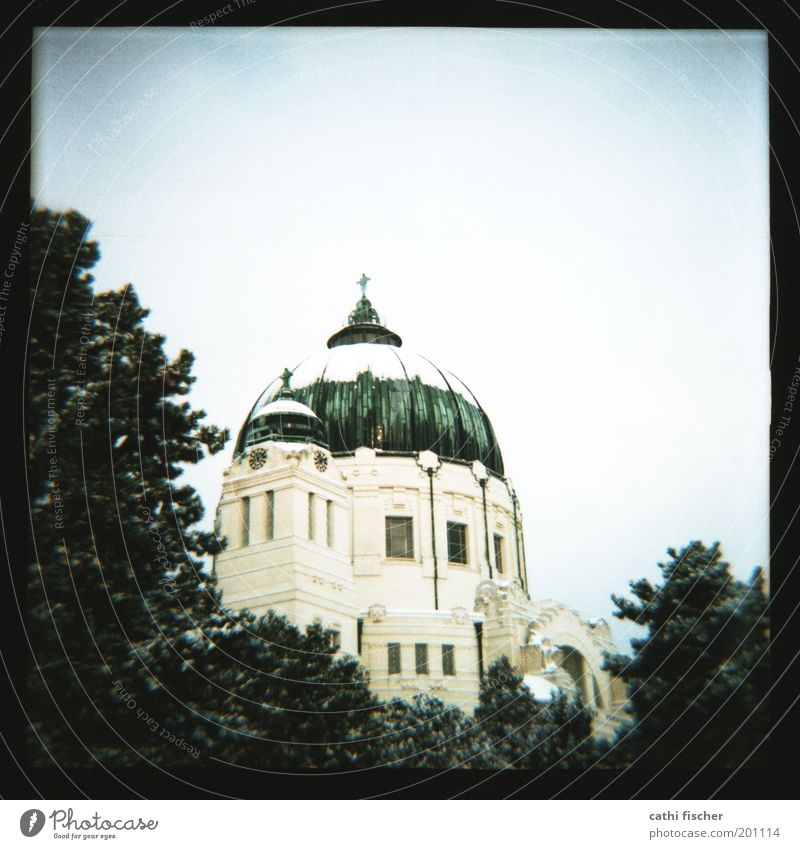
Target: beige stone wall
{"points": [[309, 574], [306, 579], [364, 490], [383, 626]]}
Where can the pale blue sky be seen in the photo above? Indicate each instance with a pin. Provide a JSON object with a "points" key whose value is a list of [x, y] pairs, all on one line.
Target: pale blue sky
{"points": [[575, 222]]}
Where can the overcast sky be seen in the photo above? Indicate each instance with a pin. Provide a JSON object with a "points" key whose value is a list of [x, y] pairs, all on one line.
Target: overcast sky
{"points": [[574, 222]]}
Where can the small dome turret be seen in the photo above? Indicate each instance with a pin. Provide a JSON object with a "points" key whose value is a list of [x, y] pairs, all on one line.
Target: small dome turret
{"points": [[283, 420]]}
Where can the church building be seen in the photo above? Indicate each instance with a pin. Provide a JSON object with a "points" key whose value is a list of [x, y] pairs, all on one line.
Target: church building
{"points": [[367, 491]]}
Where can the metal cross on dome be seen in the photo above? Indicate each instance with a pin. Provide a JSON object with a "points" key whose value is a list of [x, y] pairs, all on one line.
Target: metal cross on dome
{"points": [[286, 376], [363, 284]]}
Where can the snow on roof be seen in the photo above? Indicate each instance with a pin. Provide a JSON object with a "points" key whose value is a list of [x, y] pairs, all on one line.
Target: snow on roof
{"points": [[308, 370], [424, 612], [283, 406], [385, 362], [346, 362], [541, 689]]}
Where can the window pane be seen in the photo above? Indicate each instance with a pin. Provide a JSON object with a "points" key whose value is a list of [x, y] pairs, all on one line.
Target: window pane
{"points": [[245, 521], [456, 542], [448, 660], [498, 552], [399, 537], [394, 658], [329, 523], [270, 523], [312, 524], [421, 657]]}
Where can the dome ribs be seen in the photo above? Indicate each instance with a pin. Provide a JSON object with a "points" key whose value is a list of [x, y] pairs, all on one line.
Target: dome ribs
{"points": [[407, 404], [361, 387], [466, 438]]}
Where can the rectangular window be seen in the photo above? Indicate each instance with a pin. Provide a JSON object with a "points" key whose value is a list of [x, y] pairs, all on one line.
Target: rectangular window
{"points": [[329, 523], [270, 517], [336, 639], [245, 521], [456, 542], [498, 553], [400, 537], [448, 659], [421, 658], [312, 519], [394, 658]]}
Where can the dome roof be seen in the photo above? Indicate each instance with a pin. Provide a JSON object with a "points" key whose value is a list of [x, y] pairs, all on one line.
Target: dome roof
{"points": [[369, 392]]}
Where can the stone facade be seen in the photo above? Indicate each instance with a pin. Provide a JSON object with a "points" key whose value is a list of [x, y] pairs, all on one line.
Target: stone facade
{"points": [[309, 535]]}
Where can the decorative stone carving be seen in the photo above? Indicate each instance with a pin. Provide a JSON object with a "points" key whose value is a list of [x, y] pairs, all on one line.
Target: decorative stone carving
{"points": [[376, 613], [460, 615], [294, 456], [494, 595], [540, 653], [485, 596], [515, 590], [601, 629]]}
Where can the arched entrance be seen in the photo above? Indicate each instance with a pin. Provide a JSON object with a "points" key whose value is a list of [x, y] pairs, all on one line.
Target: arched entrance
{"points": [[580, 671]]}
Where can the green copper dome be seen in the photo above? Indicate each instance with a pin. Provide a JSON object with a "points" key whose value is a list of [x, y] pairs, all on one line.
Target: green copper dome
{"points": [[368, 391]]}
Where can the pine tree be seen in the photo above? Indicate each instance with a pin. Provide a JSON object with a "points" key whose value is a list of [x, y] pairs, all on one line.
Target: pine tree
{"points": [[134, 657], [115, 549], [427, 734], [700, 671], [271, 696], [528, 735], [570, 723], [510, 717]]}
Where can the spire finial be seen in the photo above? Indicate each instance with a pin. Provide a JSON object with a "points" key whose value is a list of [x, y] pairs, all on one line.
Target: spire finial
{"points": [[363, 284]]}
